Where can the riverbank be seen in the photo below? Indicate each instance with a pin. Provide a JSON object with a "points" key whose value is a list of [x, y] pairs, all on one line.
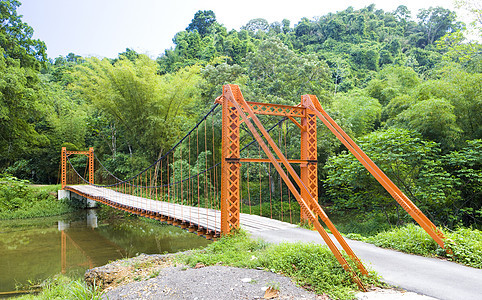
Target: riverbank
{"points": [[233, 266], [21, 200]]}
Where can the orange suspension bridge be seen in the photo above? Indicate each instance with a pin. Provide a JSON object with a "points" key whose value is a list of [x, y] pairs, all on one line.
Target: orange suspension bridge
{"points": [[203, 188]]}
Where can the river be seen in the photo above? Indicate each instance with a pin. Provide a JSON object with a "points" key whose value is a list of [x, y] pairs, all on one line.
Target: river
{"points": [[32, 250]]}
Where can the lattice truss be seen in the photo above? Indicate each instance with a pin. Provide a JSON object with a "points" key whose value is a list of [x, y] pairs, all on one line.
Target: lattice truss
{"points": [[309, 152], [230, 189], [277, 109], [230, 182]]}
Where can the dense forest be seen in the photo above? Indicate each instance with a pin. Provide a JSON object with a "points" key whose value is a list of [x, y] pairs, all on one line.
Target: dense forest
{"points": [[406, 86]]}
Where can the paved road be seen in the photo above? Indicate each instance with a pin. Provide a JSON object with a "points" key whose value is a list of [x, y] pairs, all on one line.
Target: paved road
{"points": [[428, 276]]}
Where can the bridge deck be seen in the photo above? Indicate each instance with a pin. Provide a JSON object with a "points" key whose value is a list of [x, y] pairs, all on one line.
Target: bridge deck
{"points": [[205, 219]]}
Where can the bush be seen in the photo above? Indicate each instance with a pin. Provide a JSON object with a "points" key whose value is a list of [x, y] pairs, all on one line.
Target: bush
{"points": [[314, 267], [465, 243], [409, 238], [20, 200], [62, 287]]}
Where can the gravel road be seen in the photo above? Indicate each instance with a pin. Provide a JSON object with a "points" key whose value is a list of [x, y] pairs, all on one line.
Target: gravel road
{"points": [[210, 283]]}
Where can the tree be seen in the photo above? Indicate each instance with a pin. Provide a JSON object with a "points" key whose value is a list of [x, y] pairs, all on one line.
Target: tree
{"points": [[130, 54], [202, 21], [409, 161], [455, 48], [466, 166], [255, 25], [434, 119], [16, 37], [402, 13], [276, 70], [360, 112], [145, 107], [435, 22], [392, 81], [286, 26], [463, 91], [475, 9], [217, 76], [20, 59]]}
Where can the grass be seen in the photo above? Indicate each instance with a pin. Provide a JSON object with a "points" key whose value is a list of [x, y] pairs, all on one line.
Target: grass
{"points": [[309, 265], [20, 200], [465, 243], [62, 287]]}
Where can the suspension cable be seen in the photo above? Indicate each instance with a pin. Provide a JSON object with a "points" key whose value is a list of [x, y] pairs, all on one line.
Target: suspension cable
{"points": [[126, 181]]}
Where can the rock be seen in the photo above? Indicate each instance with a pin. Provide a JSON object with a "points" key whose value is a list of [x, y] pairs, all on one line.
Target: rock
{"points": [[119, 271], [199, 265]]}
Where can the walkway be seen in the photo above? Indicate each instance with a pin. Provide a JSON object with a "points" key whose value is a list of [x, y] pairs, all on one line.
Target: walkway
{"points": [[429, 276], [203, 219]]}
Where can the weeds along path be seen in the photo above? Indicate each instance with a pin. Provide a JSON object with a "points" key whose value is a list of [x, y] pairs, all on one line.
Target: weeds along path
{"points": [[429, 276]]}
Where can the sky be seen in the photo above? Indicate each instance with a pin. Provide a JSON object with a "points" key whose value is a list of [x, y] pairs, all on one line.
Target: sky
{"points": [[105, 28]]}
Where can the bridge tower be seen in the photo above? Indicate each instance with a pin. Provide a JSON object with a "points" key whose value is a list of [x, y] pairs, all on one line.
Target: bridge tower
{"points": [[63, 164], [231, 160]]}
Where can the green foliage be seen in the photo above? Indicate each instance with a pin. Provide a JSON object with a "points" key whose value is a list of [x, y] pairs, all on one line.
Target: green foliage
{"points": [[202, 21], [62, 287], [142, 105], [411, 164], [370, 68], [435, 22], [310, 265], [465, 243], [276, 70], [391, 82], [18, 99], [438, 123], [464, 91], [466, 166], [360, 225], [409, 238], [20, 200], [313, 266], [360, 112], [237, 251], [16, 38]]}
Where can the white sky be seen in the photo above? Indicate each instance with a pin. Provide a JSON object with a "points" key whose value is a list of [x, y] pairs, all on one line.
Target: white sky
{"points": [[108, 27]]}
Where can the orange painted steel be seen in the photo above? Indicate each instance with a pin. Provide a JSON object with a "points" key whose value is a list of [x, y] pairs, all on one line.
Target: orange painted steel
{"points": [[91, 165], [309, 151], [232, 96], [63, 252], [276, 109], [230, 186], [265, 160], [63, 164], [230, 166], [313, 103]]}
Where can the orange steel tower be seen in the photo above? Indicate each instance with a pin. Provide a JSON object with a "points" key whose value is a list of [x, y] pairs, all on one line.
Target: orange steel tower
{"points": [[304, 187], [63, 164]]}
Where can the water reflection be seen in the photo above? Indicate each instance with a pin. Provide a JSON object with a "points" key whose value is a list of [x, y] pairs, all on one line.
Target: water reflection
{"points": [[38, 248]]}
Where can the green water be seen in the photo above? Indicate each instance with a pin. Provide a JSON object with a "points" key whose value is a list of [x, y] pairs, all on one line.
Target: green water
{"points": [[32, 250]]}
